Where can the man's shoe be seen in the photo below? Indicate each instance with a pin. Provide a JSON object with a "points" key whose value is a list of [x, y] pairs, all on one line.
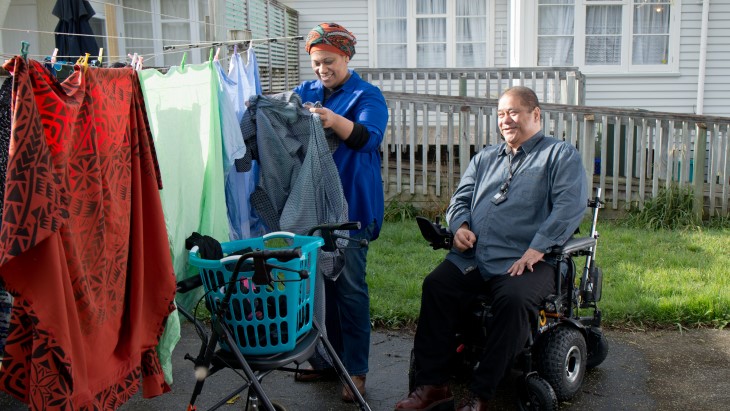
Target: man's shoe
{"points": [[428, 398], [312, 375], [473, 403], [359, 381]]}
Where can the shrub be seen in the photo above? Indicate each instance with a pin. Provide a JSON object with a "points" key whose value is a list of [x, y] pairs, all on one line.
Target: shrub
{"points": [[397, 210], [672, 209]]}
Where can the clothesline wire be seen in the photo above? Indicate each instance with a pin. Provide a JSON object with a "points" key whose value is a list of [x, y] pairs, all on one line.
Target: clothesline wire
{"points": [[147, 57], [161, 14], [89, 35], [229, 42], [168, 49]]}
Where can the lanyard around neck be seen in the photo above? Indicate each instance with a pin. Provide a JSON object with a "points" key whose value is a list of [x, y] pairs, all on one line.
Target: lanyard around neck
{"points": [[504, 188]]}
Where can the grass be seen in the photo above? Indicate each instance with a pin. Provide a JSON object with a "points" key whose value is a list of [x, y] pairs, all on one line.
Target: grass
{"points": [[651, 277]]}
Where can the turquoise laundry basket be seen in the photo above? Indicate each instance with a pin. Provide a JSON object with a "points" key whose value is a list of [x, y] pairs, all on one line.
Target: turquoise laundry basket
{"points": [[265, 319]]}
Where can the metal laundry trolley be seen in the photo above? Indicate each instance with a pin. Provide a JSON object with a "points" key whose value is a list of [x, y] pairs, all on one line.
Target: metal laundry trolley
{"points": [[261, 299]]}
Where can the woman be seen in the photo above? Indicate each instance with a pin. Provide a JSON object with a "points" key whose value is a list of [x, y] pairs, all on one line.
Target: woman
{"points": [[356, 112]]}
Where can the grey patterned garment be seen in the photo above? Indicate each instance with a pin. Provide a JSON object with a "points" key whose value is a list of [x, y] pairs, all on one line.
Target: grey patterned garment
{"points": [[299, 186]]}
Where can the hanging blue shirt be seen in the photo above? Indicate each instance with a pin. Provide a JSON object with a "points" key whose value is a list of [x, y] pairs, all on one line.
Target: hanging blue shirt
{"points": [[362, 103]]}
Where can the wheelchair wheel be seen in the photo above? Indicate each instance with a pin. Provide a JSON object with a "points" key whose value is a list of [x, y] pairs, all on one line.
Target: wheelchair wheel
{"points": [[597, 347], [536, 394], [562, 361]]}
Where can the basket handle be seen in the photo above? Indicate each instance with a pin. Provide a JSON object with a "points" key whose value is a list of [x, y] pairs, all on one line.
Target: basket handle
{"points": [[278, 234]]}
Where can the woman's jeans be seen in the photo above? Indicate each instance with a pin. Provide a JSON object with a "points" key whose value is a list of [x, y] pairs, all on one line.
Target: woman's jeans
{"points": [[348, 308]]}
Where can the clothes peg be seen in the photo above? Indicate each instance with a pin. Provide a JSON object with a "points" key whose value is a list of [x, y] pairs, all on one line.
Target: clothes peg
{"points": [[235, 49], [85, 60], [53, 56], [134, 60], [182, 63], [139, 63], [217, 53], [101, 54], [24, 45]]}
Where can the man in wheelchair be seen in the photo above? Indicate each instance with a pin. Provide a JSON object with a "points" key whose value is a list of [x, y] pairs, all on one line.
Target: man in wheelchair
{"points": [[515, 202]]}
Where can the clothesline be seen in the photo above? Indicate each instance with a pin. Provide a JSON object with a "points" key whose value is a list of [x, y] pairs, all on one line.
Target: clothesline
{"points": [[167, 49], [231, 42], [147, 57], [166, 16], [86, 35]]}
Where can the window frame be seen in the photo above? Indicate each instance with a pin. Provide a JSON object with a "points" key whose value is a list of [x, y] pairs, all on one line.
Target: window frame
{"points": [[411, 35], [627, 37], [195, 15]]}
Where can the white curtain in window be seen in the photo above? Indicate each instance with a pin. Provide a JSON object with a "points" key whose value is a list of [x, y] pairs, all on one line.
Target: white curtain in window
{"points": [[392, 33], [555, 32], [431, 33], [471, 33], [431, 42], [175, 25], [431, 6], [603, 35], [138, 24], [651, 33]]}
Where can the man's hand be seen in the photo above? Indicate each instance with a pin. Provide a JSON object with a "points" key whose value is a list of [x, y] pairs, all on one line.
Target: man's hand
{"points": [[464, 238], [528, 260]]}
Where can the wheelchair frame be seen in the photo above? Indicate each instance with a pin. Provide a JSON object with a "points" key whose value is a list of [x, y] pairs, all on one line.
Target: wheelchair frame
{"points": [[558, 310], [256, 367]]}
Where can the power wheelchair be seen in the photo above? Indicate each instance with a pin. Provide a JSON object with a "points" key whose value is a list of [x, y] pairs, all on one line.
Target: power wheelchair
{"points": [[566, 339], [261, 296]]}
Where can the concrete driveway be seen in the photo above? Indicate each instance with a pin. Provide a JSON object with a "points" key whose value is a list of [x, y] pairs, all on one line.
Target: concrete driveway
{"points": [[655, 370]]}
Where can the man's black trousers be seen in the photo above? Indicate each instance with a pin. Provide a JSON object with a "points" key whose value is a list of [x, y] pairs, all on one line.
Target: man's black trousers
{"points": [[446, 296]]}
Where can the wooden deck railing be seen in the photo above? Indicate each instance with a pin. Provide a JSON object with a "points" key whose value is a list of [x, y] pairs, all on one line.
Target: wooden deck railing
{"points": [[633, 153], [564, 85]]}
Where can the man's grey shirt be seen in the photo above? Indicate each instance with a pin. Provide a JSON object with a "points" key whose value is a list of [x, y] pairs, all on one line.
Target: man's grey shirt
{"points": [[545, 203]]}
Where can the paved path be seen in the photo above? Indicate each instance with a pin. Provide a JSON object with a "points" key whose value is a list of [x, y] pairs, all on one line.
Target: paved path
{"points": [[644, 371]]}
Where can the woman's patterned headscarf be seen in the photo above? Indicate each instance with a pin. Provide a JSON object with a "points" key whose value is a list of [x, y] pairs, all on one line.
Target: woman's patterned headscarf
{"points": [[331, 37]]}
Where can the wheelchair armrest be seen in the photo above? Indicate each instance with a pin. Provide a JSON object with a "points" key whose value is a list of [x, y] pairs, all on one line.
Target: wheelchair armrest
{"points": [[573, 245], [437, 236]]}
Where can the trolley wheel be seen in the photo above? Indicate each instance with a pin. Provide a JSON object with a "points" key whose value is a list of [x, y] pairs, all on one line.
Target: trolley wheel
{"points": [[562, 361], [412, 372], [535, 394], [597, 347]]}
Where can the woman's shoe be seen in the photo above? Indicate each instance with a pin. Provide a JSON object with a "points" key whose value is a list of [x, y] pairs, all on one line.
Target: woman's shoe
{"points": [[312, 375], [359, 381]]}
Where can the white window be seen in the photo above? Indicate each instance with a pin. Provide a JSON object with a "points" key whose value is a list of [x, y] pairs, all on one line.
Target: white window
{"points": [[149, 25], [608, 35], [431, 33]]}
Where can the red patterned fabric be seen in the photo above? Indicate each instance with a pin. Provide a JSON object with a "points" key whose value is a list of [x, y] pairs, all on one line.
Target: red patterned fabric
{"points": [[83, 243], [331, 37]]}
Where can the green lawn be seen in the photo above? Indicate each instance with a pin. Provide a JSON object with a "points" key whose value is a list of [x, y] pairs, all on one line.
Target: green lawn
{"points": [[651, 278]]}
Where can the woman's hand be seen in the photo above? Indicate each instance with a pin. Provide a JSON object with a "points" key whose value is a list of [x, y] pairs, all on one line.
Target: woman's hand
{"points": [[340, 125], [328, 117]]}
